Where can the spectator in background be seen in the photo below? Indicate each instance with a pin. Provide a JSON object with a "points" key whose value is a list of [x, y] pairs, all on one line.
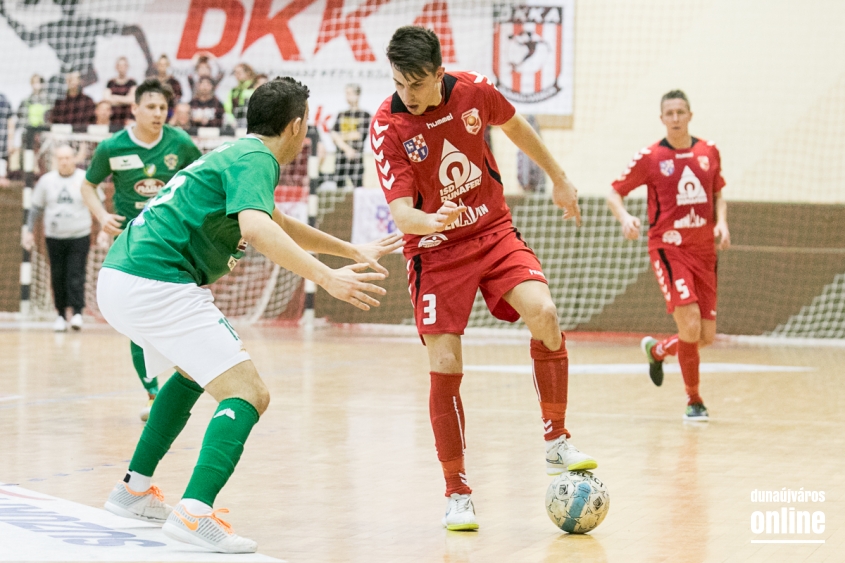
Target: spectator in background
{"points": [[529, 175], [67, 232], [349, 133], [76, 108], [34, 107], [205, 64], [206, 109], [165, 77], [103, 116], [5, 114], [260, 80], [236, 101], [182, 118], [120, 93]]}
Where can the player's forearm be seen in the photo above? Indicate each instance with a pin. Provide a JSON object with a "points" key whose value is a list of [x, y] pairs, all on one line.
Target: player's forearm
{"points": [[617, 206], [721, 210], [313, 240], [409, 220], [528, 141], [92, 202], [273, 242], [339, 142]]}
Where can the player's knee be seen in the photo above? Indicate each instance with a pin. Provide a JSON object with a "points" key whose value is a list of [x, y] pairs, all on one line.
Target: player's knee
{"points": [[259, 397], [446, 362], [706, 339], [544, 318]]}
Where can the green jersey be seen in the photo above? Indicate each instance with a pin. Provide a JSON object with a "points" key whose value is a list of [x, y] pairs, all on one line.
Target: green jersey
{"points": [[190, 232], [139, 170]]}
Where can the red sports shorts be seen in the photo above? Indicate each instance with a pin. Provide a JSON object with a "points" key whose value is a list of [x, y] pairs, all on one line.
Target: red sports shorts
{"points": [[686, 277], [443, 282]]}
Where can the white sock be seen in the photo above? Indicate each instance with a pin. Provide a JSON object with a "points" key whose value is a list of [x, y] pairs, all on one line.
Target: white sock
{"points": [[137, 482], [195, 507]]}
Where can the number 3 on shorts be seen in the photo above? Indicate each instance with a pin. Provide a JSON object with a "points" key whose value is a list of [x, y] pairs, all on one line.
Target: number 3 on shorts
{"points": [[681, 286], [430, 309]]}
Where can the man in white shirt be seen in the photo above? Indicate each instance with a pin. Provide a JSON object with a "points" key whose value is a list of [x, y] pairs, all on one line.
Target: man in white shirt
{"points": [[67, 232]]}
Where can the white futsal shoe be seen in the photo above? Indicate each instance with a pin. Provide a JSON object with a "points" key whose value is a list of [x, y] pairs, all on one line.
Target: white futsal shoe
{"points": [[148, 506], [76, 322], [460, 513], [60, 325], [562, 456], [206, 530]]}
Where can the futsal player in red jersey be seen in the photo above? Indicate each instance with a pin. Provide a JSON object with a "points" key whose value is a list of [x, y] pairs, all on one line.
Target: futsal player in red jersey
{"points": [[446, 195], [688, 222]]}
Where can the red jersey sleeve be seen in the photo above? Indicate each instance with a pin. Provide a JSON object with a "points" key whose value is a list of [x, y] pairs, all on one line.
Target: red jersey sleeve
{"points": [[499, 109], [718, 180], [392, 165], [635, 175]]}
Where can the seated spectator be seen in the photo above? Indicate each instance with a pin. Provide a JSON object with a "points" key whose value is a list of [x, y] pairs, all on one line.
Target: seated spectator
{"points": [[120, 93], [206, 109], [165, 77], [76, 108], [205, 64], [103, 116], [34, 107], [236, 101], [182, 118]]}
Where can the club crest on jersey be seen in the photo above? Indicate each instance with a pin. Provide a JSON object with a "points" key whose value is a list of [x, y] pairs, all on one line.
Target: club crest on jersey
{"points": [[416, 148], [150, 170], [704, 162], [171, 161], [148, 187], [527, 51], [667, 167], [472, 121]]}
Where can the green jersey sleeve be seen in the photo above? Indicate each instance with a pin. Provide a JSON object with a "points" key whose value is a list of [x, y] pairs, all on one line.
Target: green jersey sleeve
{"points": [[250, 183], [100, 168], [190, 152]]}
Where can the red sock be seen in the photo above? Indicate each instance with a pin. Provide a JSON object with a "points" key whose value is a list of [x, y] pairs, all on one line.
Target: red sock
{"points": [[689, 360], [551, 379], [447, 421], [666, 347]]}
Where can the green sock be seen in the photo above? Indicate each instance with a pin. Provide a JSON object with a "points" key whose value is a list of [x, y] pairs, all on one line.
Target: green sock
{"points": [[150, 384], [169, 415], [221, 449]]}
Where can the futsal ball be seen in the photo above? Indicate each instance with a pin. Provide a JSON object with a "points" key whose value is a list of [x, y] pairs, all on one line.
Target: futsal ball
{"points": [[577, 501]]}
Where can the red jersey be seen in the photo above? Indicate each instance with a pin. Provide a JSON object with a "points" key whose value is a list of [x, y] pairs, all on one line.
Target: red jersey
{"points": [[441, 156], [681, 185]]}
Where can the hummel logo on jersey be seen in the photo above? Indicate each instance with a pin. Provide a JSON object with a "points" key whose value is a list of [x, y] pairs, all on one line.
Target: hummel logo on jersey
{"points": [[690, 189], [379, 129], [537, 273], [684, 155], [376, 142], [690, 221], [457, 174], [226, 412], [440, 121]]}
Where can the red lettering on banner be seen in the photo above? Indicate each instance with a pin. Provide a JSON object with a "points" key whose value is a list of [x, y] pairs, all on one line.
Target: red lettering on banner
{"points": [[234, 11], [260, 25], [321, 121], [335, 24], [435, 17]]}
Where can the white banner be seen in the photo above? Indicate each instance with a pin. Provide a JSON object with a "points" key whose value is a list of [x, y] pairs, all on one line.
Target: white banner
{"points": [[371, 217], [526, 48]]}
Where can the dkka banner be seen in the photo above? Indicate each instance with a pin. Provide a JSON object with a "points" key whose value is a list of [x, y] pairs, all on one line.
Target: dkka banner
{"points": [[525, 48]]}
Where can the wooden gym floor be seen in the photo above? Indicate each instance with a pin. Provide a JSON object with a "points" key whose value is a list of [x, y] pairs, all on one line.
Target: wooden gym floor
{"points": [[342, 466]]}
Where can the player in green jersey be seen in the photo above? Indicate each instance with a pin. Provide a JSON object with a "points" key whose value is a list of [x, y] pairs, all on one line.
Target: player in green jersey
{"points": [[149, 289], [141, 160]]}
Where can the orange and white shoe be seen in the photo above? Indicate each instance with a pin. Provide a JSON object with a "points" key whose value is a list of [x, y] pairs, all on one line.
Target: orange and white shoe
{"points": [[206, 530], [148, 506]]}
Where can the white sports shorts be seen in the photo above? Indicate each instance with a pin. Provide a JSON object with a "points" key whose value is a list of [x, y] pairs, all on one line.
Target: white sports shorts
{"points": [[176, 324]]}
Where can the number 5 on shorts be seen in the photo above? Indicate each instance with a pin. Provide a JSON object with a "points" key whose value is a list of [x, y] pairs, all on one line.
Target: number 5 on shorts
{"points": [[430, 309], [681, 286]]}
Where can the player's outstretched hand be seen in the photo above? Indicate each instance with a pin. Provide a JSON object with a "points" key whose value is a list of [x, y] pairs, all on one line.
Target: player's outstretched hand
{"points": [[445, 216], [350, 284], [631, 227], [370, 252], [111, 223], [565, 196], [723, 236]]}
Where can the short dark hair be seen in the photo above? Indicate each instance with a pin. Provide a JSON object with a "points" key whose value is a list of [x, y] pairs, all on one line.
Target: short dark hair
{"points": [[274, 105], [674, 95], [153, 86], [414, 51]]}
